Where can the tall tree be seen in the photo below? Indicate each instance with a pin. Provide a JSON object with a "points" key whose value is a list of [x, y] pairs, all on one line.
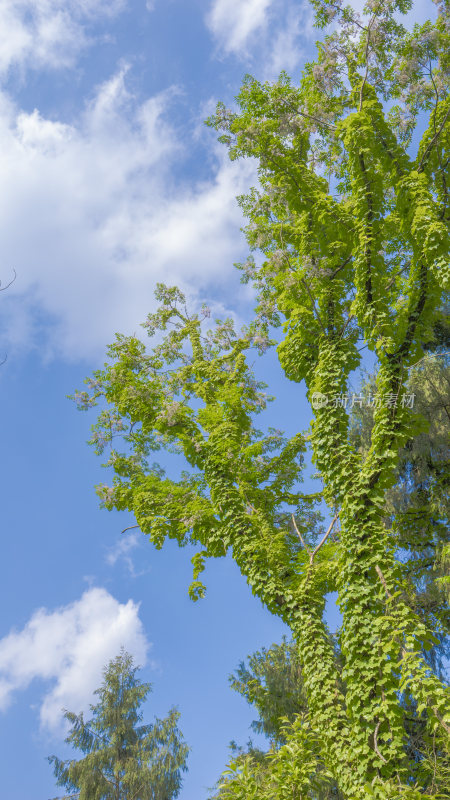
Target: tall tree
{"points": [[353, 224], [122, 759]]}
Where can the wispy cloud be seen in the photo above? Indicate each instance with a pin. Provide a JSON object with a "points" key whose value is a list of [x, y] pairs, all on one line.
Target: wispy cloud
{"points": [[232, 22], [271, 35], [121, 551], [48, 33], [286, 45], [94, 218], [68, 648]]}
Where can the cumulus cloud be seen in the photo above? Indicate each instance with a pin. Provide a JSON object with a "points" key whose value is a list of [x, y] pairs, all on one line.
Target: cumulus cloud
{"points": [[92, 217], [232, 22], [48, 33], [68, 649]]}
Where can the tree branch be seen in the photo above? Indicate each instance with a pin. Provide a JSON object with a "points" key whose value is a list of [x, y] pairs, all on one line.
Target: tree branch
{"points": [[300, 536], [306, 286], [368, 248], [367, 64], [375, 742], [383, 581], [322, 542], [130, 528], [341, 266], [316, 119], [3, 288], [430, 144]]}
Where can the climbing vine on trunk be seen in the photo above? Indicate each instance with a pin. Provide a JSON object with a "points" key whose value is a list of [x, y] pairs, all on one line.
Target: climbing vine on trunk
{"points": [[351, 215]]}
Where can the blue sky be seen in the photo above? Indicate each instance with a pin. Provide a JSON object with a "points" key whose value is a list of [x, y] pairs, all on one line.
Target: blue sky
{"points": [[110, 183]]}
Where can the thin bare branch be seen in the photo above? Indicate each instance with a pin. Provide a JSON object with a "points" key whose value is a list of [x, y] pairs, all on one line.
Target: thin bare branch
{"points": [[341, 266], [322, 541], [304, 283], [375, 742], [383, 580], [130, 528], [438, 716], [313, 303], [135, 795], [3, 288], [434, 139], [311, 116], [427, 355], [367, 65], [352, 19], [300, 536], [316, 119], [396, 275]]}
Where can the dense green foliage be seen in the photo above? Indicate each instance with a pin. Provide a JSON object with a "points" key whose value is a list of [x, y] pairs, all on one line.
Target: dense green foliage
{"points": [[417, 510], [122, 759], [351, 215], [417, 507]]}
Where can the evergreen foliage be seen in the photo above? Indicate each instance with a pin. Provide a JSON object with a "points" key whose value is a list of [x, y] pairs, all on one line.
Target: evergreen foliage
{"points": [[352, 218], [272, 682], [123, 760]]}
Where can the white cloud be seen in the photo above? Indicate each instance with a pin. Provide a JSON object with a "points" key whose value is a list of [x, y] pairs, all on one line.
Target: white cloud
{"points": [[286, 52], [69, 648], [91, 217], [121, 551], [232, 22], [272, 35], [48, 33], [285, 46]]}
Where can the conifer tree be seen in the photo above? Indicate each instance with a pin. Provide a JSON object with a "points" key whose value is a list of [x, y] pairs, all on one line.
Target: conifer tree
{"points": [[271, 681], [352, 217], [123, 760]]}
